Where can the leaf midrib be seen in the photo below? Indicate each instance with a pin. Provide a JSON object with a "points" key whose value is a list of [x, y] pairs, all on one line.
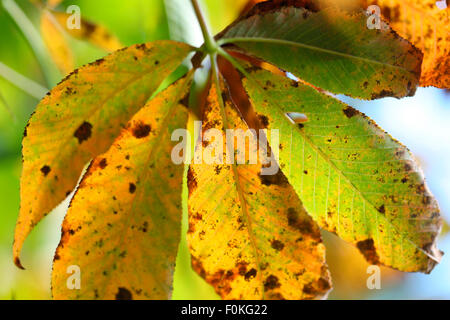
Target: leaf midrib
{"points": [[306, 46], [239, 190]]}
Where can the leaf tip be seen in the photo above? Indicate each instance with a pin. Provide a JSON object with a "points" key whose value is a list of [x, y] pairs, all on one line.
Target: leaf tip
{"points": [[18, 263]]}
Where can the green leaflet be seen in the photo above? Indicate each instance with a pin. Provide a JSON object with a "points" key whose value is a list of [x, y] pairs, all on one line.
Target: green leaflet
{"points": [[352, 177], [80, 118], [123, 226], [332, 49]]}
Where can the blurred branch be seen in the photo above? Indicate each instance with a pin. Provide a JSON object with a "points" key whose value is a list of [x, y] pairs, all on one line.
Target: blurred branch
{"points": [[7, 107], [34, 39], [29, 86]]}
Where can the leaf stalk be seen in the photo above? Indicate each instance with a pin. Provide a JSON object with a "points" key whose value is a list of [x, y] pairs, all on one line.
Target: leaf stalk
{"points": [[210, 45]]}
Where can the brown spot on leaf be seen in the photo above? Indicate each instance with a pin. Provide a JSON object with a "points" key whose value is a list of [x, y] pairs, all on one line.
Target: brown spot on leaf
{"points": [[276, 296], [45, 170], [382, 94], [368, 250], [324, 284], [192, 181], [124, 294], [276, 179], [83, 132], [263, 120], [268, 6], [25, 131], [250, 275], [305, 226], [316, 288], [277, 245], [350, 112], [141, 130], [103, 163], [97, 62], [197, 266], [242, 268], [132, 188], [271, 283], [18, 263]]}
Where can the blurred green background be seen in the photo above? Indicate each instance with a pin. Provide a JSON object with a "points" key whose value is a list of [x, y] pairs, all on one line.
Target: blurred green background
{"points": [[420, 122]]}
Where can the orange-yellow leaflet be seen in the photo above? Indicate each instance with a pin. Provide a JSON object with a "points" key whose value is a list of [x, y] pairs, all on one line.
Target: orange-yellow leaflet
{"points": [[80, 118], [249, 235], [123, 226]]}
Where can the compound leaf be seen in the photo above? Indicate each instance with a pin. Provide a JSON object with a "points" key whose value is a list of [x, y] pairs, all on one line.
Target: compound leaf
{"points": [[332, 49], [123, 226], [80, 118], [249, 236], [352, 177]]}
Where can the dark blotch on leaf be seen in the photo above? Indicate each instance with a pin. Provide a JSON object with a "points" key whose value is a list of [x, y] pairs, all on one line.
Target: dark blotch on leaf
{"points": [[45, 170], [103, 163], [294, 221], [98, 62], [277, 179], [141, 130], [132, 188], [124, 294], [271, 283], [25, 131], [367, 248], [192, 181], [382, 94], [197, 266], [83, 132], [264, 120], [277, 245], [350, 112], [251, 274]]}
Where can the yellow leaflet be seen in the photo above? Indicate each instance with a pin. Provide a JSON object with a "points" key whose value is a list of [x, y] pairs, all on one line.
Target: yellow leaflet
{"points": [[53, 36], [80, 118], [123, 226], [249, 235], [94, 33]]}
